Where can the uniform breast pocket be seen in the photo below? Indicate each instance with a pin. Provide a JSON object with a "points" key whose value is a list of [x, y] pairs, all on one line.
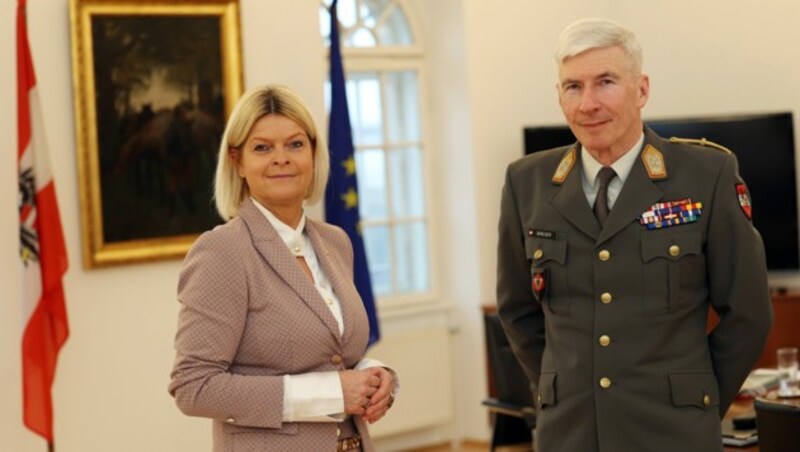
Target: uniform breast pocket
{"points": [[674, 271], [548, 261]]}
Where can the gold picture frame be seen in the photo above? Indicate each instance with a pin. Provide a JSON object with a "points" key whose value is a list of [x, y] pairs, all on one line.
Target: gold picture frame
{"points": [[153, 83]]}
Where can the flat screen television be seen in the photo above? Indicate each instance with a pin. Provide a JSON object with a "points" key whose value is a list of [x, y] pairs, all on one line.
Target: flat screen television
{"points": [[764, 146]]}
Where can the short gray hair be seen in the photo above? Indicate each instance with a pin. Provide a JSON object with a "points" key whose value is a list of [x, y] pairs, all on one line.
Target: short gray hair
{"points": [[229, 188], [593, 33]]}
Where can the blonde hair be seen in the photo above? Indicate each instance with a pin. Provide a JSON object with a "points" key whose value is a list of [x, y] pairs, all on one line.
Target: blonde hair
{"points": [[229, 188], [591, 33]]}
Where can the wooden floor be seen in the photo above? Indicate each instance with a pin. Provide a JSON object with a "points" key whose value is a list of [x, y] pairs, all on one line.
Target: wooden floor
{"points": [[475, 446]]}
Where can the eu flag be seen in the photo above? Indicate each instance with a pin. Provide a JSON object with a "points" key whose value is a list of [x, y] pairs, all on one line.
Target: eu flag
{"points": [[341, 197]]}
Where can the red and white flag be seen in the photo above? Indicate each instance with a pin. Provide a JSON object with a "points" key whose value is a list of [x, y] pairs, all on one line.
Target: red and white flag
{"points": [[42, 251]]}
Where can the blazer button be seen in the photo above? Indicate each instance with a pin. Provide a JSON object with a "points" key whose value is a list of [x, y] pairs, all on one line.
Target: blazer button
{"points": [[336, 360], [674, 250], [606, 298], [605, 383], [604, 340], [604, 255], [538, 254], [230, 420], [706, 400]]}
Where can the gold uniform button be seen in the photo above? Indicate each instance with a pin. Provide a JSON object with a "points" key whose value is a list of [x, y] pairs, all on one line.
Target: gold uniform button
{"points": [[336, 360], [706, 400], [604, 340], [605, 383], [604, 255], [230, 420], [338, 432], [538, 254], [606, 298], [674, 250], [329, 301]]}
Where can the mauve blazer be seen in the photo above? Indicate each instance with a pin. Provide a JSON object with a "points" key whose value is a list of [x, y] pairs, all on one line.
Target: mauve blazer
{"points": [[250, 315]]}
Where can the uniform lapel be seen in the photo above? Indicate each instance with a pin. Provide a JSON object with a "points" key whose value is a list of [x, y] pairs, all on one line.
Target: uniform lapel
{"points": [[342, 287], [277, 255], [569, 200], [638, 193]]}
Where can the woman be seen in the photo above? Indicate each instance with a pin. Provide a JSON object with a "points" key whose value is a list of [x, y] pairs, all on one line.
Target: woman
{"points": [[271, 331]]}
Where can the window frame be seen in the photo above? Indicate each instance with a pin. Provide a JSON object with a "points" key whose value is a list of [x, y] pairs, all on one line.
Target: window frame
{"points": [[381, 60]]}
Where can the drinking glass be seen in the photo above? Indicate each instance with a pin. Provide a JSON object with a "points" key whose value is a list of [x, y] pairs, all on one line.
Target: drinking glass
{"points": [[788, 367]]}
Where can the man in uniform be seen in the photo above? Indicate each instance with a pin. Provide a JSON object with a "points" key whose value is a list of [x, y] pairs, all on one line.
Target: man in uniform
{"points": [[611, 252]]}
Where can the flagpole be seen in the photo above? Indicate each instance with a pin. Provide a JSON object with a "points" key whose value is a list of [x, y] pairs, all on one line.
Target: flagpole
{"points": [[51, 447]]}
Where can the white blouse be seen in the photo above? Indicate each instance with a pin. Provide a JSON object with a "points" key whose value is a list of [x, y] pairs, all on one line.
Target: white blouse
{"points": [[314, 396]]}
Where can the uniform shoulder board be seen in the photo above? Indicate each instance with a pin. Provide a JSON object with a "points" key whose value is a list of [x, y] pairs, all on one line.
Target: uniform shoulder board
{"points": [[701, 142]]}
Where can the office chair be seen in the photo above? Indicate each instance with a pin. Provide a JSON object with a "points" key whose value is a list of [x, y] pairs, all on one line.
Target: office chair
{"points": [[778, 425], [512, 409]]}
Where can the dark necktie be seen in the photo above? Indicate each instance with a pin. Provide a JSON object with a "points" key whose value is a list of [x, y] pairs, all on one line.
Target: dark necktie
{"points": [[601, 202]]}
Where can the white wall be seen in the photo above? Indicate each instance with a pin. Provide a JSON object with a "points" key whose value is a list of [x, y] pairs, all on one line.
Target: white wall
{"points": [[110, 391], [491, 73], [704, 57]]}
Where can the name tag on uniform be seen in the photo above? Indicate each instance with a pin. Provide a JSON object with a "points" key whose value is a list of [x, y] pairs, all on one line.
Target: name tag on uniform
{"points": [[671, 213]]}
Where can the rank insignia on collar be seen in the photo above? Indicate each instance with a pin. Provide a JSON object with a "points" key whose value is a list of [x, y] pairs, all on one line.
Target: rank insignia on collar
{"points": [[744, 200], [539, 283], [654, 163], [671, 213], [565, 166]]}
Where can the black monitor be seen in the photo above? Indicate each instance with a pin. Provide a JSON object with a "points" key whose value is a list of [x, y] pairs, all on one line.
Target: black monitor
{"points": [[764, 146]]}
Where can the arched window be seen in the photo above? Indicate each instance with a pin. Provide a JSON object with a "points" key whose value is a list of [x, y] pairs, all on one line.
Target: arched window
{"points": [[383, 63]]}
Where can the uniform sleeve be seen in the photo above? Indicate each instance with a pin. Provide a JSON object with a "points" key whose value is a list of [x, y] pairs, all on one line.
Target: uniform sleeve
{"points": [[738, 287], [214, 303], [521, 316]]}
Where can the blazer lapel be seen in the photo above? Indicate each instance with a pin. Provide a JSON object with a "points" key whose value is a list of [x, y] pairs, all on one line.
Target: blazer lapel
{"points": [[570, 201], [342, 286], [637, 195], [277, 255]]}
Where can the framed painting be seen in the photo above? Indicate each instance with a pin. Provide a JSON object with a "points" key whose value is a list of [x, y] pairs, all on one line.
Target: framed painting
{"points": [[153, 83]]}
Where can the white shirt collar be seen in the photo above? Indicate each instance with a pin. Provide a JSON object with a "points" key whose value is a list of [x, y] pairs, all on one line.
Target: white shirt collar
{"points": [[622, 166], [293, 238]]}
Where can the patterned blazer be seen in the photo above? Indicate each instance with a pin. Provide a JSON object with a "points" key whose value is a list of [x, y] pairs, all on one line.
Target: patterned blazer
{"points": [[249, 316]]}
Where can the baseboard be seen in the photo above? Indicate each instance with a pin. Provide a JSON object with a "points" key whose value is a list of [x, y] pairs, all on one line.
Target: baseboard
{"points": [[465, 444]]}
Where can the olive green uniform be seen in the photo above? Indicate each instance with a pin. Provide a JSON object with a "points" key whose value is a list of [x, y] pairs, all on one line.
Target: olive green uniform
{"points": [[617, 345]]}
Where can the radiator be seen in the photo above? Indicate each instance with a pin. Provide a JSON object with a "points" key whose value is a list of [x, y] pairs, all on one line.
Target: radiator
{"points": [[422, 359]]}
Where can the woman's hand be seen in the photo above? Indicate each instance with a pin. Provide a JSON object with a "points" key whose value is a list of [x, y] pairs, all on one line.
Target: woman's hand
{"points": [[358, 386], [382, 399]]}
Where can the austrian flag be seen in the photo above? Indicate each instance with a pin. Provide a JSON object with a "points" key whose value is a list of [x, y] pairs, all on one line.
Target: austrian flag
{"points": [[43, 255]]}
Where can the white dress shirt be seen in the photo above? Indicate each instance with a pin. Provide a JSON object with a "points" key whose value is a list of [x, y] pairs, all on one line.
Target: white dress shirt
{"points": [[622, 167], [314, 396]]}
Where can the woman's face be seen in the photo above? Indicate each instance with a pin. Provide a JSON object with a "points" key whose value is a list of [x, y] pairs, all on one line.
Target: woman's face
{"points": [[277, 162]]}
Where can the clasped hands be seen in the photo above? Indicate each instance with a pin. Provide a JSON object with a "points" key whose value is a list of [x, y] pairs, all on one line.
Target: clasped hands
{"points": [[368, 392]]}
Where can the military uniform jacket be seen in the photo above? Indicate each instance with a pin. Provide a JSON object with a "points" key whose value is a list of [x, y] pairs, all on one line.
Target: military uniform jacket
{"points": [[249, 315], [617, 348]]}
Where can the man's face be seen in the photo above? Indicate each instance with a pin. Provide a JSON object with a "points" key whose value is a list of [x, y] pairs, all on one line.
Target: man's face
{"points": [[602, 98]]}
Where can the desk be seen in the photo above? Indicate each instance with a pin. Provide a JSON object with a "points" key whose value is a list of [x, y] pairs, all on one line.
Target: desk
{"points": [[741, 406], [738, 407]]}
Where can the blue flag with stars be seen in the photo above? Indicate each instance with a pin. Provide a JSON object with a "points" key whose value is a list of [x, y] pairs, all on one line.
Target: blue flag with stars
{"points": [[341, 197]]}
